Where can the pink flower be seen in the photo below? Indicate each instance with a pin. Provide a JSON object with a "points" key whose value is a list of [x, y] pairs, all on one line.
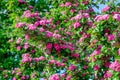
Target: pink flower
{"points": [[62, 64], [43, 22], [101, 17], [76, 25], [63, 46], [41, 58], [13, 78], [86, 15], [26, 46], [111, 37], [106, 8], [69, 77], [71, 67], [63, 75], [36, 14], [19, 48], [57, 47], [96, 67], [105, 17], [72, 10], [117, 17], [41, 29], [26, 58], [36, 59], [54, 77], [23, 78], [37, 23], [107, 74], [68, 4], [27, 14], [26, 36], [58, 63], [30, 7], [77, 17], [18, 41], [57, 36], [18, 25], [52, 62], [115, 66], [32, 27], [75, 55], [49, 46], [85, 67], [49, 34]]}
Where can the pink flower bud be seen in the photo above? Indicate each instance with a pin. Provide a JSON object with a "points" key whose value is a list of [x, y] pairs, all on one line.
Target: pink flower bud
{"points": [[96, 67], [111, 37]]}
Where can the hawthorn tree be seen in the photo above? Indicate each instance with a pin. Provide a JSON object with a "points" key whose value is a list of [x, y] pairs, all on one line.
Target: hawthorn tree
{"points": [[61, 40]]}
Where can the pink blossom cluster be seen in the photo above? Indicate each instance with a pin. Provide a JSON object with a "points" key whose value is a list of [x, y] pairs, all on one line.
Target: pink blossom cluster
{"points": [[76, 25], [41, 58], [26, 45], [75, 55], [107, 74], [20, 24], [26, 58], [116, 17], [96, 67], [18, 40], [57, 63], [106, 8], [32, 27], [58, 46], [28, 14], [54, 77], [111, 37], [101, 17], [72, 67], [68, 4], [81, 16], [115, 66]]}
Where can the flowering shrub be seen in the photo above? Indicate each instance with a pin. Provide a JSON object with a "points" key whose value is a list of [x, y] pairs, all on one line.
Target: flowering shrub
{"points": [[69, 41]]}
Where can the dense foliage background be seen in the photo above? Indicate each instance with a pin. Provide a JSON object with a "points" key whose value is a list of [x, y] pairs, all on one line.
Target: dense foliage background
{"points": [[59, 40]]}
